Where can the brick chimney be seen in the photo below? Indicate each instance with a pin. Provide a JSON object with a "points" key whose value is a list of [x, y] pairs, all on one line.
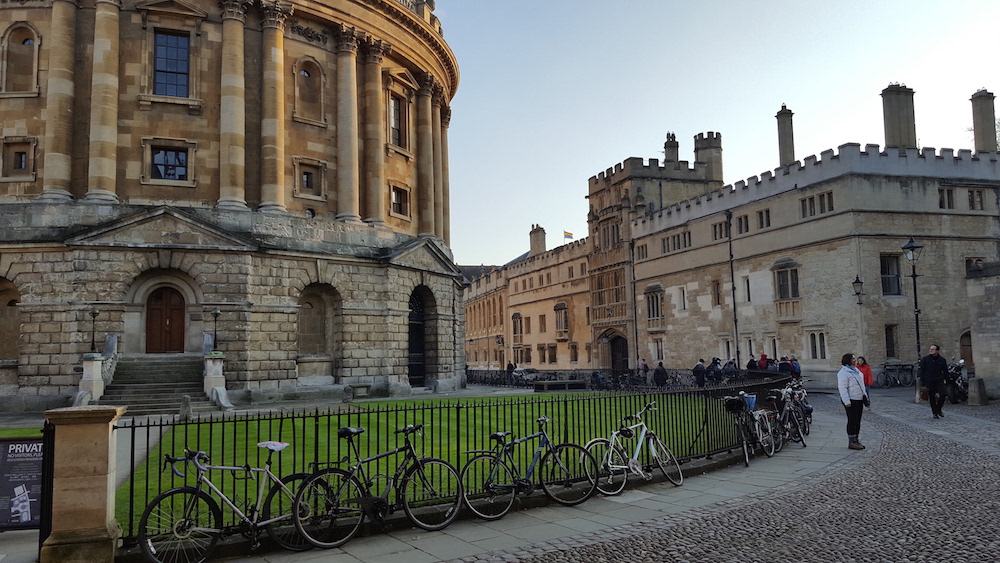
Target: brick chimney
{"points": [[537, 237], [897, 113], [786, 138], [984, 124]]}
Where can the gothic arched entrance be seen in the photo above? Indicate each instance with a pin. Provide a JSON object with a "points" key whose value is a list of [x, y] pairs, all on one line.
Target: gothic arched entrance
{"points": [[165, 321], [619, 354], [418, 342]]}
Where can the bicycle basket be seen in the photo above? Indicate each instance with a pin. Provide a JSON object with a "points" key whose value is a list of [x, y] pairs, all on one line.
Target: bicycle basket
{"points": [[751, 401], [735, 405]]}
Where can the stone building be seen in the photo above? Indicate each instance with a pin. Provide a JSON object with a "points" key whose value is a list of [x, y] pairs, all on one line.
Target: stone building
{"points": [[682, 267], [281, 164]]}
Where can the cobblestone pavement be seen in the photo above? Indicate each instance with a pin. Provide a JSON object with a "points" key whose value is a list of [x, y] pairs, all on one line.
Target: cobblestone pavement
{"points": [[928, 490]]}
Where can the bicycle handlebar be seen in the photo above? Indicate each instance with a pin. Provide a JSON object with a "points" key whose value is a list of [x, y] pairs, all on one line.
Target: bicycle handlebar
{"points": [[410, 429], [194, 457], [542, 420]]}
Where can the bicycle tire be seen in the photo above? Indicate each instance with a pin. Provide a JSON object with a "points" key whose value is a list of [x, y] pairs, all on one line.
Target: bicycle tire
{"points": [[776, 432], [883, 379], [612, 475], [665, 459], [795, 426], [279, 502], [330, 511], [764, 435], [806, 419], [743, 433], [906, 377], [182, 524], [431, 493], [568, 474], [488, 487]]}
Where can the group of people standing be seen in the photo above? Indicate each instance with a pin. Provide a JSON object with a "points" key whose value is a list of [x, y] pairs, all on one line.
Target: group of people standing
{"points": [[855, 378]]}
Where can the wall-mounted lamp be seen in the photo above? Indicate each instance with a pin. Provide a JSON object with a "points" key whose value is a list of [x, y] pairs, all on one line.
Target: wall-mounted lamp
{"points": [[215, 328], [858, 288], [93, 329]]}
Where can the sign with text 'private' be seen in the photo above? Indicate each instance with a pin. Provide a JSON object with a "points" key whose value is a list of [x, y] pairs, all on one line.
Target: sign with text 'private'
{"points": [[20, 482]]}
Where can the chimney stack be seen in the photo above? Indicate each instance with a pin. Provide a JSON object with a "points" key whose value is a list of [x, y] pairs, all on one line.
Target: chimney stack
{"points": [[537, 237], [897, 113], [670, 152], [984, 124], [786, 137], [708, 149]]}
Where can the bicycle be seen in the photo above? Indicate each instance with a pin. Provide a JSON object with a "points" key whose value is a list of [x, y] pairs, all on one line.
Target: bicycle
{"points": [[428, 490], [184, 523], [750, 435], [613, 463], [800, 401], [895, 374], [790, 420], [567, 474]]}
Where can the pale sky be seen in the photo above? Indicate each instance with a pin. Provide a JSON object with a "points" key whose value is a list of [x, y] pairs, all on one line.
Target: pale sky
{"points": [[553, 92]]}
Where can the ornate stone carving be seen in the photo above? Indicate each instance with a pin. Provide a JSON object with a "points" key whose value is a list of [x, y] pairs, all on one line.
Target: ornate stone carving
{"points": [[308, 33], [372, 50], [235, 10], [275, 13], [446, 117], [348, 38], [427, 85]]}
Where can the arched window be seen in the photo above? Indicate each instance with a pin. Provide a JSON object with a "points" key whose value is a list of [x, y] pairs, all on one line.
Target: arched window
{"points": [[309, 94], [20, 60]]}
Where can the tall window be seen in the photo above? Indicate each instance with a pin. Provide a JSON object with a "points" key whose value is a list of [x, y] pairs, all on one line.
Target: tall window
{"points": [[309, 92], [890, 341], [654, 305], [817, 345], [946, 198], [716, 293], [397, 120], [169, 163], [682, 298], [171, 67], [743, 224], [400, 201], [541, 324], [975, 200], [788, 283], [746, 288], [764, 219], [658, 349], [890, 275], [574, 353], [562, 317], [822, 203]]}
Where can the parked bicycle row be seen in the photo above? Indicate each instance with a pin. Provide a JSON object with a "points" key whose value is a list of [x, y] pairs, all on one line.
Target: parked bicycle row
{"points": [[784, 415]]}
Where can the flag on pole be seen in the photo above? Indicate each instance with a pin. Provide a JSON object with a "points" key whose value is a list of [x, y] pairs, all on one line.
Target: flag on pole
{"points": [[567, 235]]}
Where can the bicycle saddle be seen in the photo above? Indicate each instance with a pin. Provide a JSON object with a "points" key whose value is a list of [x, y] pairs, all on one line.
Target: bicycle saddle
{"points": [[347, 432], [273, 446], [499, 436]]}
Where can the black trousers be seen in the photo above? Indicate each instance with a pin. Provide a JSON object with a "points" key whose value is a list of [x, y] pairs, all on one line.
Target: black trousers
{"points": [[854, 417], [936, 395]]}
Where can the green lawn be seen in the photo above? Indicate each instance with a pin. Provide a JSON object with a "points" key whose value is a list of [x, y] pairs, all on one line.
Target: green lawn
{"points": [[452, 427], [20, 432]]}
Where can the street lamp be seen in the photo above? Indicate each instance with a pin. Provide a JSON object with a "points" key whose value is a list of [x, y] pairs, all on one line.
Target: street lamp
{"points": [[912, 251], [858, 288], [93, 329], [215, 329]]}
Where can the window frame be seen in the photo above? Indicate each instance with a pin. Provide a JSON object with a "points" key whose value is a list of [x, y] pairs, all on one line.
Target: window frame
{"points": [[150, 143], [946, 198], [407, 213], [5, 48], [171, 19], [792, 284], [299, 113], [888, 278], [301, 164], [9, 145]]}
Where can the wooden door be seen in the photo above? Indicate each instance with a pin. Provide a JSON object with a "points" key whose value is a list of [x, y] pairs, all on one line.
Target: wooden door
{"points": [[165, 321]]}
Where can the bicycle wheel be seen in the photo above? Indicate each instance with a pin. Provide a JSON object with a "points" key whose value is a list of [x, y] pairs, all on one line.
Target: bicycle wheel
{"points": [[568, 474], [612, 472], [906, 377], [806, 419], [776, 431], [278, 504], [795, 426], [743, 433], [883, 379], [665, 459], [180, 525], [431, 493], [488, 487], [764, 435], [329, 508]]}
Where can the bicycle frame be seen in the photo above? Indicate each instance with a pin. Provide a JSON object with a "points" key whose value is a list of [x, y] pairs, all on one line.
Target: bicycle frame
{"points": [[358, 469], [261, 490], [633, 464], [504, 453]]}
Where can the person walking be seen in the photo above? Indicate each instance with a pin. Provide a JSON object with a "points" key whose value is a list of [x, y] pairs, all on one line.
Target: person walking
{"points": [[645, 372], [660, 375], [866, 371], [699, 372], [933, 375], [851, 385]]}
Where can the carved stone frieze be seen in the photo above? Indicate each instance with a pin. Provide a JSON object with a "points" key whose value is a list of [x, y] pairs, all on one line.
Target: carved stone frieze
{"points": [[308, 33]]}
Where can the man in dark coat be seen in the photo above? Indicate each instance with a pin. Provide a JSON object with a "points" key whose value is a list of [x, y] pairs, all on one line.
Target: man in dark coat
{"points": [[933, 374], [699, 372], [660, 375]]}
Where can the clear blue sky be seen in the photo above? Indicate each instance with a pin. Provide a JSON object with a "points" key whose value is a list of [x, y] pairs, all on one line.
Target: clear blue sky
{"points": [[554, 91]]}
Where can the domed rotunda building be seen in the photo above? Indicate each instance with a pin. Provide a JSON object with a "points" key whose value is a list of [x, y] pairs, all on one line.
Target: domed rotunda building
{"points": [[268, 180]]}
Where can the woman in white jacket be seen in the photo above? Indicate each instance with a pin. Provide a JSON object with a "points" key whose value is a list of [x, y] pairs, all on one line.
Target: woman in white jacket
{"points": [[851, 384]]}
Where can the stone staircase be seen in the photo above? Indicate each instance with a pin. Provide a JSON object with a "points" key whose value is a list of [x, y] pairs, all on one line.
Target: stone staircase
{"points": [[154, 384]]}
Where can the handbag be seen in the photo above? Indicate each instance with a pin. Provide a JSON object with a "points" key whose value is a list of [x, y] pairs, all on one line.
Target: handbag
{"points": [[864, 399]]}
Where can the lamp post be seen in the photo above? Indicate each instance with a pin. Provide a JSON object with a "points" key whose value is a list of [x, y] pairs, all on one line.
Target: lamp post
{"points": [[93, 329], [858, 286], [732, 284], [912, 251], [215, 328]]}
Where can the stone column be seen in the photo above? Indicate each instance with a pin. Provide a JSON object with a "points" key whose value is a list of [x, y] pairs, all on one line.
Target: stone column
{"points": [[272, 146], [59, 93], [445, 174], [232, 114], [425, 157], [93, 375], [83, 486], [103, 174], [348, 165], [438, 164], [375, 129]]}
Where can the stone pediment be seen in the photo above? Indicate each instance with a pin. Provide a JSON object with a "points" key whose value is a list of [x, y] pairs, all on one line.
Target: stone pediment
{"points": [[161, 228], [172, 7], [424, 254]]}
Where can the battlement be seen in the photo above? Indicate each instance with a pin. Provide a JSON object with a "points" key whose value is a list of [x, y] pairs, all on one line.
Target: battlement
{"points": [[575, 249], [636, 167], [710, 140], [910, 162]]}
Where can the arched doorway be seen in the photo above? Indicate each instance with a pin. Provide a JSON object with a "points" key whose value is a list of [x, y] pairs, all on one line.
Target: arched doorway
{"points": [[417, 342], [965, 350], [619, 354], [165, 321]]}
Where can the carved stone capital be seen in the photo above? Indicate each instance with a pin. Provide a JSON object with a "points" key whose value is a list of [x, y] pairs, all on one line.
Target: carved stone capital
{"points": [[234, 10], [446, 117], [427, 85], [438, 93], [372, 50], [276, 13], [347, 38]]}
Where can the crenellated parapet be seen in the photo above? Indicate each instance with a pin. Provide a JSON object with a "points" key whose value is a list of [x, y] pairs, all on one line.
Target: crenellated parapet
{"points": [[572, 250], [710, 140], [638, 168], [946, 164]]}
